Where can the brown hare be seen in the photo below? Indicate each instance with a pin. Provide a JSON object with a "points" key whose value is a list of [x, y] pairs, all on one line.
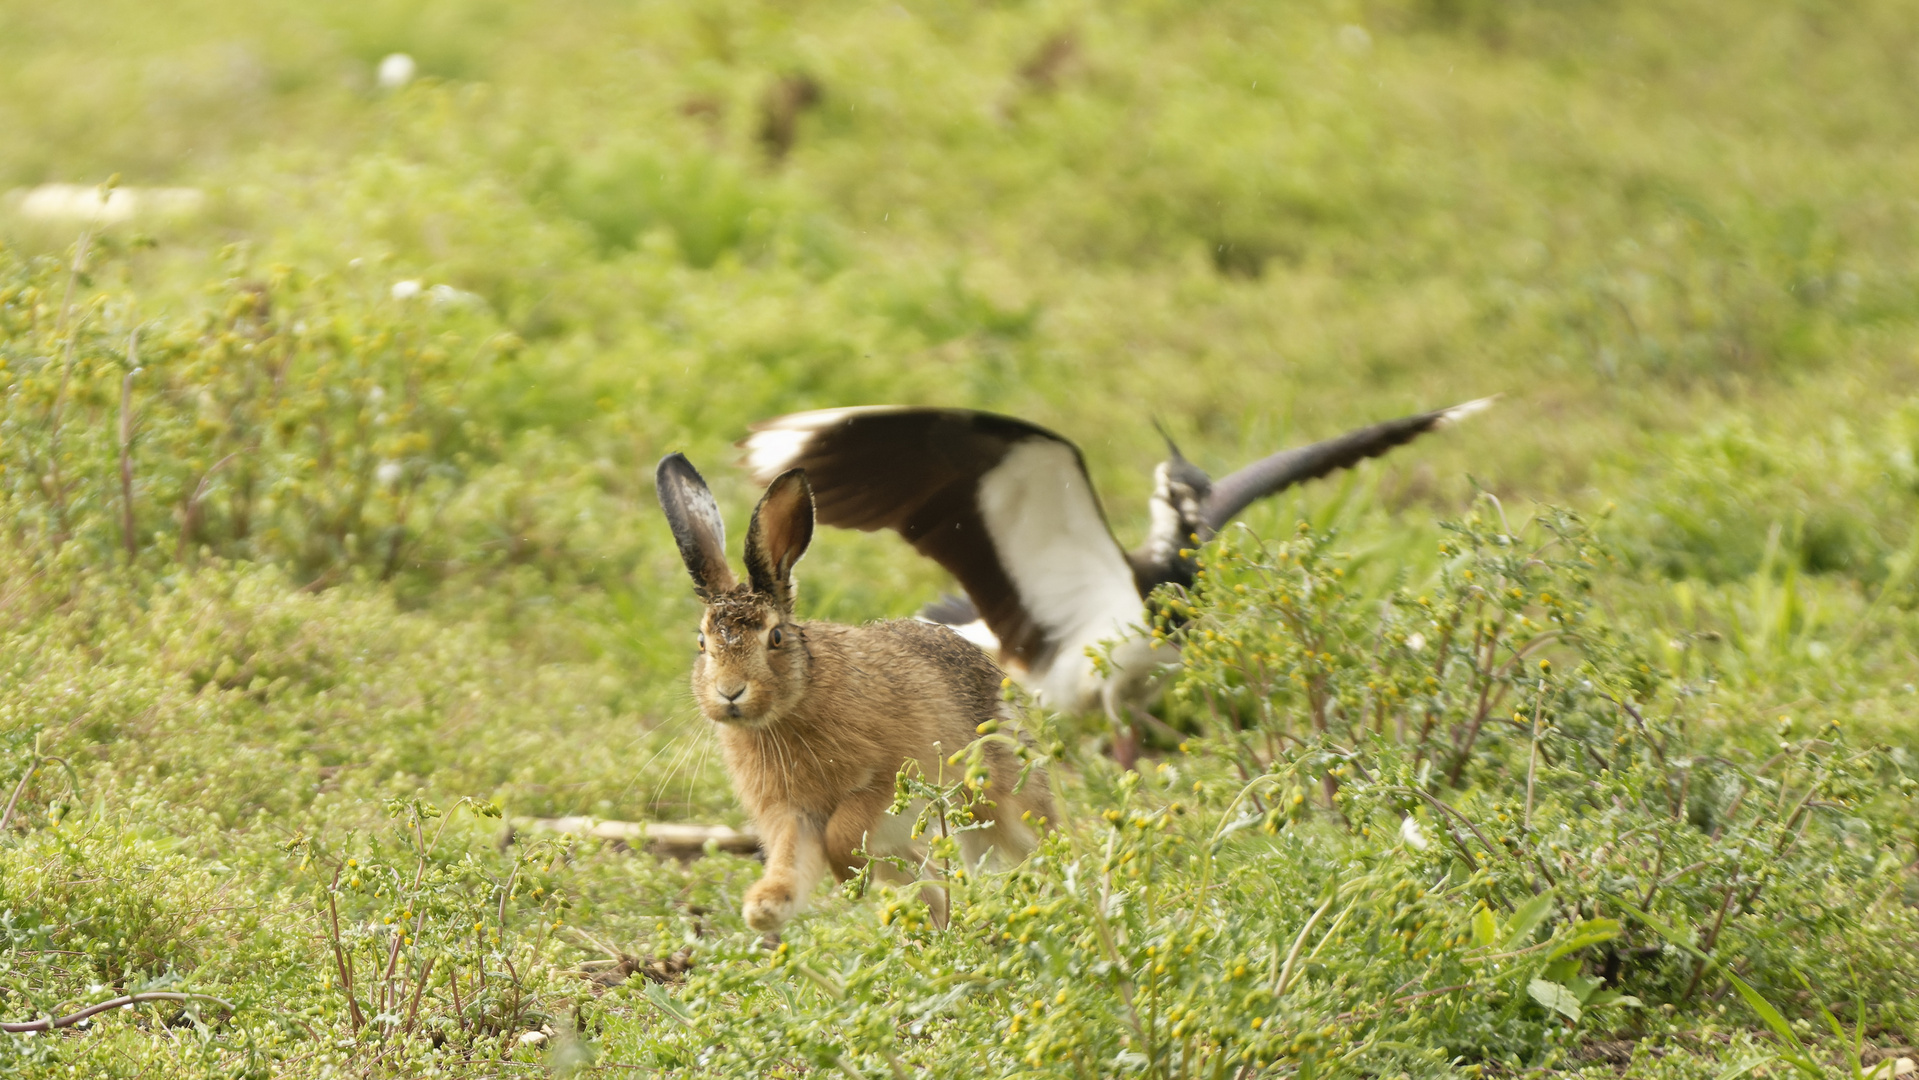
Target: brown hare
{"points": [[815, 719]]}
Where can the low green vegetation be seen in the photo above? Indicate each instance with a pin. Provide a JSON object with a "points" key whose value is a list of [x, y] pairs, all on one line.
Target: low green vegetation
{"points": [[1575, 740]]}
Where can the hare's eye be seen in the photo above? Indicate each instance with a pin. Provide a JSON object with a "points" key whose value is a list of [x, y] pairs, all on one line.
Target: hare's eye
{"points": [[773, 639], [702, 642]]}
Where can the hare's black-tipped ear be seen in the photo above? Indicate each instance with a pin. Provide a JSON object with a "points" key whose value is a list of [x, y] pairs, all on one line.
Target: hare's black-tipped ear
{"points": [[782, 527], [696, 523]]}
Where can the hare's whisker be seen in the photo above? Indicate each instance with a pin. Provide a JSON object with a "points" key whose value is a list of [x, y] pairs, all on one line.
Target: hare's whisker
{"points": [[699, 766], [785, 754], [670, 742], [818, 767], [686, 745]]}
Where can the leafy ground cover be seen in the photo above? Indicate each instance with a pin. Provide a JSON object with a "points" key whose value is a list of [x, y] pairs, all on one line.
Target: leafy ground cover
{"points": [[1574, 741]]}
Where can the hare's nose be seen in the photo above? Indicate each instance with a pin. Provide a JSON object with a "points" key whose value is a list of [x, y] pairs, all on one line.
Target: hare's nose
{"points": [[734, 694]]}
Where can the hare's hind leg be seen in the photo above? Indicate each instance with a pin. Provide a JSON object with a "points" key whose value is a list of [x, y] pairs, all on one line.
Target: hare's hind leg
{"points": [[862, 824], [932, 894], [795, 862], [858, 825], [1018, 816], [1017, 822], [1034, 807]]}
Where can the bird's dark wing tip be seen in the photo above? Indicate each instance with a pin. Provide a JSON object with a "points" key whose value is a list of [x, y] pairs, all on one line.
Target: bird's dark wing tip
{"points": [[950, 610], [1275, 473]]}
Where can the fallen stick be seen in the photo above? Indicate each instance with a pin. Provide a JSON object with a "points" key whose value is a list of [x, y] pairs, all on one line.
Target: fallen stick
{"points": [[105, 1006], [667, 838]]}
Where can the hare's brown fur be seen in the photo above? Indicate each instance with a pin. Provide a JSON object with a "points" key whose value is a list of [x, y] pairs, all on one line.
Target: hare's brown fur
{"points": [[815, 719]]}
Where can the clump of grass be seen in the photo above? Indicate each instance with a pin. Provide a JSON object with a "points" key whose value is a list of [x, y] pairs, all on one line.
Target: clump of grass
{"points": [[1503, 723], [311, 436]]}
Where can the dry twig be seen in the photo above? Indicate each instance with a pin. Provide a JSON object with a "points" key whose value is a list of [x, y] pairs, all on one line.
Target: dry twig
{"points": [[105, 1006]]}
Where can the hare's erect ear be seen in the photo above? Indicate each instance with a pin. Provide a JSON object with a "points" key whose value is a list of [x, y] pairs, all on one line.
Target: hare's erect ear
{"points": [[696, 523], [782, 527]]}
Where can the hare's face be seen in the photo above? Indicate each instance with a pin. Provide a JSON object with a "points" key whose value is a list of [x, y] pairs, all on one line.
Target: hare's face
{"points": [[752, 664]]}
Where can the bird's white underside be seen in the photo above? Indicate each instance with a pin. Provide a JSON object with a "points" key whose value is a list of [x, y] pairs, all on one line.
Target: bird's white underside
{"points": [[1069, 572], [1163, 533], [978, 633]]}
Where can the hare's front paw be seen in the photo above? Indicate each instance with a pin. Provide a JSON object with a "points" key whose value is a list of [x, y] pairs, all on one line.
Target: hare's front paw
{"points": [[769, 904]]}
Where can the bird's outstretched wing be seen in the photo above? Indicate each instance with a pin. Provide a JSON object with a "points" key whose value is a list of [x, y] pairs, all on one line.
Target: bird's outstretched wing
{"points": [[1004, 505], [1271, 475]]}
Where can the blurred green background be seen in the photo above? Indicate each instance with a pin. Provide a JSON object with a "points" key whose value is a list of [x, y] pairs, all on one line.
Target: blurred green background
{"points": [[407, 359]]}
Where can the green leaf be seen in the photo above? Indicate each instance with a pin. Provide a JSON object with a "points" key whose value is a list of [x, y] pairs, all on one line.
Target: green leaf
{"points": [[1743, 1066], [1529, 916], [1767, 1014], [1585, 935], [666, 1003], [1838, 1030], [1582, 987], [1484, 928], [1672, 936], [1607, 998], [824, 981], [1555, 998], [1561, 971]]}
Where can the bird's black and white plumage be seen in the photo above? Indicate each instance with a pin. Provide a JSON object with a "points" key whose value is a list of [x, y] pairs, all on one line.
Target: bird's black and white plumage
{"points": [[1007, 507]]}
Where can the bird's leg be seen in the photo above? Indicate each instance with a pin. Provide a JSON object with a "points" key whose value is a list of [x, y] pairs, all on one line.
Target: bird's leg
{"points": [[1148, 725], [1125, 739]]}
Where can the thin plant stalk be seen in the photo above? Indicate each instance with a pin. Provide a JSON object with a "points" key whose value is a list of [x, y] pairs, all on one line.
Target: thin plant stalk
{"points": [[127, 534]]}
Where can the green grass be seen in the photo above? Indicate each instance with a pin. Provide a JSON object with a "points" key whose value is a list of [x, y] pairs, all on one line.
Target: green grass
{"points": [[393, 564]]}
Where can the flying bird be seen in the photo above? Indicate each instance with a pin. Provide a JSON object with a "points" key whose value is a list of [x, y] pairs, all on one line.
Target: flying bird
{"points": [[1008, 508]]}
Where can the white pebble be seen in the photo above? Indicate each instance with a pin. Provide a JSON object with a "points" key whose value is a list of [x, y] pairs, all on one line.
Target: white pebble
{"points": [[396, 71]]}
